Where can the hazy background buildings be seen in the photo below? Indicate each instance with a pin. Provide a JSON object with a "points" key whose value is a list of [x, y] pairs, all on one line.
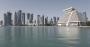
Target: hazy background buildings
{"points": [[49, 8], [27, 19]]}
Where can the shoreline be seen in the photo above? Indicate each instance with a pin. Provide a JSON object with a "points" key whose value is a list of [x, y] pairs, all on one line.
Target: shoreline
{"points": [[46, 26]]}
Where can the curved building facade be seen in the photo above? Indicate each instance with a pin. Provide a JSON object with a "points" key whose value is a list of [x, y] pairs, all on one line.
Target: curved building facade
{"points": [[73, 18]]}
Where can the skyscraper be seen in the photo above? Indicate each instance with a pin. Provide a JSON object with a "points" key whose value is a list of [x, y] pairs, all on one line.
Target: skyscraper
{"points": [[51, 21], [31, 18], [57, 19], [85, 16], [23, 18], [42, 20], [38, 20], [17, 18], [46, 21], [7, 19], [28, 18], [54, 20]]}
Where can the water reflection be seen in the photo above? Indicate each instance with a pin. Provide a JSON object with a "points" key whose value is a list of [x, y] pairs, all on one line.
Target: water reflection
{"points": [[6, 36], [72, 36], [69, 32], [44, 36], [19, 36], [83, 35]]}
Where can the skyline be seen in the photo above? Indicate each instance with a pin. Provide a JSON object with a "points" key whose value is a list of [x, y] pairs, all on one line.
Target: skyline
{"points": [[19, 20], [49, 8]]}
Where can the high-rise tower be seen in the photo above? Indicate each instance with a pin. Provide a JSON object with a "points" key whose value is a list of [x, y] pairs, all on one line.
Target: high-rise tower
{"points": [[7, 19], [23, 18]]}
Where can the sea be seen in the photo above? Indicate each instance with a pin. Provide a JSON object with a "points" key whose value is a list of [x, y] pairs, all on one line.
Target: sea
{"points": [[44, 36]]}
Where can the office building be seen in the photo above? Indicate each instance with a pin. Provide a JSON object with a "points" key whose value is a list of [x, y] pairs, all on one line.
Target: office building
{"points": [[54, 20], [42, 20], [31, 19], [38, 20], [17, 18], [23, 18], [28, 18], [46, 20], [19, 13], [51, 21], [7, 19]]}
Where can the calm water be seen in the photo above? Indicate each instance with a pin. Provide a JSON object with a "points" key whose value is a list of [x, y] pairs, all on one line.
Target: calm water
{"points": [[44, 36]]}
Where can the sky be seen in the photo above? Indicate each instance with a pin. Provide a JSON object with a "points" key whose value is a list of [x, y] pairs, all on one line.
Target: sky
{"points": [[48, 8]]}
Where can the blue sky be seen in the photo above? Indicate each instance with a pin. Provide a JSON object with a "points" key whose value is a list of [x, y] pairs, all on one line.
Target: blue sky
{"points": [[49, 8]]}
